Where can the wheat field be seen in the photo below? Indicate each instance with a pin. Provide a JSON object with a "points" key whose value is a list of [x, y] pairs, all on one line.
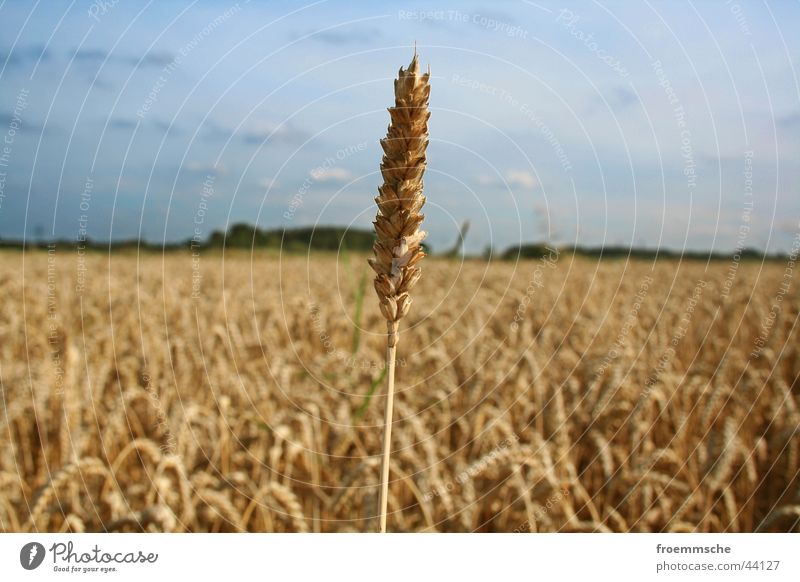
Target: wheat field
{"points": [[230, 392]]}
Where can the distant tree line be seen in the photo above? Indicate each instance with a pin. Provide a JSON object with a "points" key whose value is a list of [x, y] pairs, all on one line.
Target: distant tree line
{"points": [[336, 238]]}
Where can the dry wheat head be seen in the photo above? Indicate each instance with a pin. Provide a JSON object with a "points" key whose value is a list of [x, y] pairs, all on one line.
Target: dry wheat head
{"points": [[400, 199]]}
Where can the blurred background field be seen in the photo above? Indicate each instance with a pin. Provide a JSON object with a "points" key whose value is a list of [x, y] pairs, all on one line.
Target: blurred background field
{"points": [[228, 391]]}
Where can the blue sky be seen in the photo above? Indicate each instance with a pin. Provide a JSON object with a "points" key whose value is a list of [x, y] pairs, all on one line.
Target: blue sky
{"points": [[672, 124]]}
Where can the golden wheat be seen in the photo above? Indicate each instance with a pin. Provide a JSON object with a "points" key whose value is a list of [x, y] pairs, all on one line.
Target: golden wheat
{"points": [[137, 408], [398, 245]]}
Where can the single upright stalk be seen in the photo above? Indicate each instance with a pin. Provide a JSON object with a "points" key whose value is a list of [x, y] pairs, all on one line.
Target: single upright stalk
{"points": [[398, 241], [387, 436]]}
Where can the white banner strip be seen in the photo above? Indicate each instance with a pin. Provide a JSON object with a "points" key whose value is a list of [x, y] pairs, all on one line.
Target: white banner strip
{"points": [[400, 557]]}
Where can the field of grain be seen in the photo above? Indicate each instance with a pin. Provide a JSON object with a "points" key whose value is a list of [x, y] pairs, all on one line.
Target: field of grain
{"points": [[230, 392]]}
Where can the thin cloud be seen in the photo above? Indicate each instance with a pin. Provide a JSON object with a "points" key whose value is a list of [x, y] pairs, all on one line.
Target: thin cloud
{"points": [[6, 118], [88, 55], [521, 178], [157, 125], [198, 167], [266, 132], [259, 132], [341, 37], [95, 56], [617, 99], [622, 98], [333, 175], [789, 121], [119, 123], [165, 126], [24, 55], [512, 178]]}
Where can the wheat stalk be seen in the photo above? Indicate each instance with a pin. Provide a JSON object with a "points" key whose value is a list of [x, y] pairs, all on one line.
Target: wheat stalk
{"points": [[397, 248]]}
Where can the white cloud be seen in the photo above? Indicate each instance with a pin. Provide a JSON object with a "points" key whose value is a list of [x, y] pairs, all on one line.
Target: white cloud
{"points": [[513, 178], [331, 174], [268, 183], [205, 167], [521, 178], [258, 132]]}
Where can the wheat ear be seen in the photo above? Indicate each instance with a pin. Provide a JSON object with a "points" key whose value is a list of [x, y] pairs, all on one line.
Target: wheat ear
{"points": [[397, 248]]}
